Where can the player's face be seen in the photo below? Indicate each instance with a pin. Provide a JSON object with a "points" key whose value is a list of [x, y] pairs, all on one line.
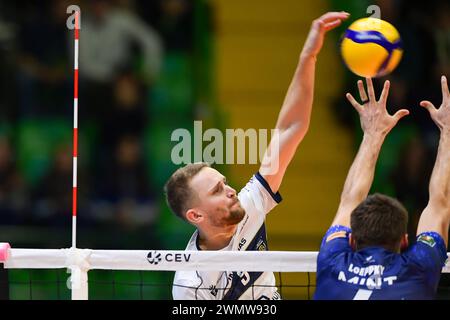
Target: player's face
{"points": [[216, 199]]}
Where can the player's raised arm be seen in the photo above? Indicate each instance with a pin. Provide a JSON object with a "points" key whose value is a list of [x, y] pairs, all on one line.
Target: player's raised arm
{"points": [[294, 117], [376, 124], [436, 216]]}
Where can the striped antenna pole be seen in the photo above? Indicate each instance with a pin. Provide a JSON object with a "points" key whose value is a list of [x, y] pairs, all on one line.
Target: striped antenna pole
{"points": [[75, 131], [79, 278]]}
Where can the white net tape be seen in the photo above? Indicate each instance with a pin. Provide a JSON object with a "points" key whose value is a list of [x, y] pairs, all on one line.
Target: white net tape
{"points": [[162, 260], [165, 260]]}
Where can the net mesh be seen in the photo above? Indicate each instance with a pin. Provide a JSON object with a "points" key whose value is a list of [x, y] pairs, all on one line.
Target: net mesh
{"points": [[50, 284]]}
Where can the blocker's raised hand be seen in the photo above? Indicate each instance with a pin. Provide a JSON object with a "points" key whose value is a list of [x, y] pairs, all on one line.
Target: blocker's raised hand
{"points": [[375, 119], [440, 116]]}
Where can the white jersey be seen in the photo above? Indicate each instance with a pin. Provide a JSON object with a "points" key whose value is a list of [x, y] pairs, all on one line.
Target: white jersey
{"points": [[257, 199]]}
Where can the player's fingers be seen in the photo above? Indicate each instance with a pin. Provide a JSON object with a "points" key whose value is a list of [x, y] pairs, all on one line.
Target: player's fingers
{"points": [[354, 103], [370, 89], [362, 91], [318, 26], [400, 114], [385, 92], [428, 105], [444, 86], [330, 16], [321, 25], [332, 25]]}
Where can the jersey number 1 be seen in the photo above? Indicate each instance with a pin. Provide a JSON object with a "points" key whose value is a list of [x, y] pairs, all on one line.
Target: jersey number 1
{"points": [[362, 294]]}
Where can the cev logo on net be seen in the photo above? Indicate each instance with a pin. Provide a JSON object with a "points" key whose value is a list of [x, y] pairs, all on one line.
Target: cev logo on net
{"points": [[155, 257]]}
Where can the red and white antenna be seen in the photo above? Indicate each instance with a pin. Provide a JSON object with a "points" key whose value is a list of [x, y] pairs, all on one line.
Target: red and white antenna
{"points": [[75, 131]]}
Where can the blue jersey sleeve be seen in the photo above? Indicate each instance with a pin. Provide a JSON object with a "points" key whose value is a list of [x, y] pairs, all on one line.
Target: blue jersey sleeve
{"points": [[429, 254], [335, 241]]}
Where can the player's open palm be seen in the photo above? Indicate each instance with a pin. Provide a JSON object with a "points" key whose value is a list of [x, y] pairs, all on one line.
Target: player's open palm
{"points": [[375, 119], [440, 116]]}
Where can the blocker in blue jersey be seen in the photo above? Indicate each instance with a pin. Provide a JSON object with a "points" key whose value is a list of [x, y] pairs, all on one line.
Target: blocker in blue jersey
{"points": [[365, 254]]}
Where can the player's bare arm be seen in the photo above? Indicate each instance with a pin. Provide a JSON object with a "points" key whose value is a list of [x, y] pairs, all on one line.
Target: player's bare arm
{"points": [[436, 216], [376, 123], [294, 117]]}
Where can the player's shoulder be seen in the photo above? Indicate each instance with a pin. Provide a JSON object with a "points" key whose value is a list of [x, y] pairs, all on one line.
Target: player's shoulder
{"points": [[429, 249], [249, 187], [335, 245], [336, 232], [430, 241], [258, 185]]}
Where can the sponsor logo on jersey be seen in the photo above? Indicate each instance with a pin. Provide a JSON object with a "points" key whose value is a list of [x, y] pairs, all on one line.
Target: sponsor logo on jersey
{"points": [[241, 243], [427, 240], [261, 246]]}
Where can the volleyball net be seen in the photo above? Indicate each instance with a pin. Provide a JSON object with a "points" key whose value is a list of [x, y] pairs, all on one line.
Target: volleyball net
{"points": [[81, 274]]}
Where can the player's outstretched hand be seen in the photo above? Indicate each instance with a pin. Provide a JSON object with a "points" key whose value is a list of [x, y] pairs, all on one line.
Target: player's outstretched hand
{"points": [[375, 120], [440, 116], [319, 28]]}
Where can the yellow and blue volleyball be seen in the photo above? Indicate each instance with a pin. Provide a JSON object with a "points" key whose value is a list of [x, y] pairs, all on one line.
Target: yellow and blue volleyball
{"points": [[371, 47]]}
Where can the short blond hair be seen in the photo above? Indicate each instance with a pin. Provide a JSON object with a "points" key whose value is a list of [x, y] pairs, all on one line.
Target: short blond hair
{"points": [[179, 194]]}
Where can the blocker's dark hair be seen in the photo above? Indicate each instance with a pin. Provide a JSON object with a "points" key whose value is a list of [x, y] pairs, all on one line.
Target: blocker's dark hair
{"points": [[379, 221]]}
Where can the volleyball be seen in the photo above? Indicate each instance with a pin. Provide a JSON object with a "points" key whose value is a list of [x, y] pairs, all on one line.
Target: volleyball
{"points": [[371, 47]]}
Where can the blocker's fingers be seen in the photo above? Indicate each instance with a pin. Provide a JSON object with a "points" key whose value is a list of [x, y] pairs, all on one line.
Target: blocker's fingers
{"points": [[444, 86], [428, 105], [370, 89], [354, 103], [400, 114], [385, 92], [362, 91]]}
